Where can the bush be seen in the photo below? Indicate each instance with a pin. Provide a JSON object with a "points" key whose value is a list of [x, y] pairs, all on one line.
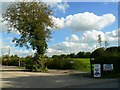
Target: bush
{"points": [[32, 64], [28, 64], [13, 62], [59, 63]]}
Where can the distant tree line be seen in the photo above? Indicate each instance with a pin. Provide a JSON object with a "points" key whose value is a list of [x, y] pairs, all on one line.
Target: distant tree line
{"points": [[96, 53], [15, 60], [73, 55]]}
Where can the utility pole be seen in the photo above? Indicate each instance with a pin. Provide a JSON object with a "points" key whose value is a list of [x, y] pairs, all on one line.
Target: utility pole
{"points": [[9, 53]]}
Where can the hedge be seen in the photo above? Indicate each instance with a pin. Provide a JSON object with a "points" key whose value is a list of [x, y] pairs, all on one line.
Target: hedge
{"points": [[61, 63], [115, 60]]}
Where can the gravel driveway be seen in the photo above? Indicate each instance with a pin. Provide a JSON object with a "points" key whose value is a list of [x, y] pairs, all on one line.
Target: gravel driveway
{"points": [[12, 78]]}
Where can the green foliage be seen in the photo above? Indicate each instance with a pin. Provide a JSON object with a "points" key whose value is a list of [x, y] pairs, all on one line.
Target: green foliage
{"points": [[5, 59], [111, 51], [10, 61], [110, 60], [13, 60], [31, 20], [80, 54], [110, 56], [38, 65], [59, 63], [73, 55], [69, 63], [98, 52]]}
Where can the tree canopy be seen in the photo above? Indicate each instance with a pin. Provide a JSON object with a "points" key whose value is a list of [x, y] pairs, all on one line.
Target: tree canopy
{"points": [[31, 20]]}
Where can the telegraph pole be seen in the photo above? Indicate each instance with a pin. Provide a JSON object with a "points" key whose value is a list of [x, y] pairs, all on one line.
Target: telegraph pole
{"points": [[9, 52]]}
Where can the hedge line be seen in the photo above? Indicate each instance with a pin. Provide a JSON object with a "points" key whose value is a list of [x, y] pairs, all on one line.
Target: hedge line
{"points": [[115, 60]]}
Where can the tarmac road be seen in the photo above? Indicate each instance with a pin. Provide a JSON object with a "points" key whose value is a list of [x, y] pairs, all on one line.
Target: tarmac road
{"points": [[53, 79]]}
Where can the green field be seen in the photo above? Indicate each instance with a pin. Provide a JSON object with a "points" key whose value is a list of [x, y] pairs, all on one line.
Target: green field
{"points": [[82, 64], [84, 60]]}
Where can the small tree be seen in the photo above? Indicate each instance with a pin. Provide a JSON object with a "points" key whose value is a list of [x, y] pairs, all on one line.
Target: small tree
{"points": [[106, 44], [31, 20]]}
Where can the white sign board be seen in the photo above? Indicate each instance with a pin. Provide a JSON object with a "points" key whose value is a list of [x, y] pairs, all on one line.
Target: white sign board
{"points": [[97, 70], [71, 61], [107, 67]]}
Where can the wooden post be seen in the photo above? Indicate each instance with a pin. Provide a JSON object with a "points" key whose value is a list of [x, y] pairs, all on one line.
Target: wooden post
{"points": [[19, 62], [91, 62]]}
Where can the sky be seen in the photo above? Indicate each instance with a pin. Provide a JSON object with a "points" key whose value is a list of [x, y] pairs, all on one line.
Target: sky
{"points": [[78, 26]]}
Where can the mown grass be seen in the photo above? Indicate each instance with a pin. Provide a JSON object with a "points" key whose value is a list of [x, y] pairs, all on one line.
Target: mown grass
{"points": [[82, 64], [84, 60]]}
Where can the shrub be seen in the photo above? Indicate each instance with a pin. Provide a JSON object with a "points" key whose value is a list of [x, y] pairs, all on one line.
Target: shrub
{"points": [[13, 62], [59, 63], [31, 64], [28, 64]]}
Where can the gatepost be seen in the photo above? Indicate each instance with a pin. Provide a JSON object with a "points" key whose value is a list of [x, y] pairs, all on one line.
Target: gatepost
{"points": [[91, 63], [97, 71]]}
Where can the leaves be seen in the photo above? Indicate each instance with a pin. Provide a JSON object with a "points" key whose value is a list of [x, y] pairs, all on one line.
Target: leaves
{"points": [[31, 20]]}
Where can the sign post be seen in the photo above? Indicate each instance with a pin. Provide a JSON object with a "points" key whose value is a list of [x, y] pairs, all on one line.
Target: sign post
{"points": [[97, 70], [91, 68]]}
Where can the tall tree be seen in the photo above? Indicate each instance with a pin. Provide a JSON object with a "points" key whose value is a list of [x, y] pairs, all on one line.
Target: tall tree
{"points": [[31, 20], [99, 40]]}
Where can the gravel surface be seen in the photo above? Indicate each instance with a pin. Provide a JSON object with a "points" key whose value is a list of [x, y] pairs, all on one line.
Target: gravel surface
{"points": [[18, 78]]}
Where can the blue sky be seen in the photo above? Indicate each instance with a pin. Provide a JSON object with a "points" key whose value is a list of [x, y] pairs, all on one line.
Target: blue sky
{"points": [[98, 8], [79, 24]]}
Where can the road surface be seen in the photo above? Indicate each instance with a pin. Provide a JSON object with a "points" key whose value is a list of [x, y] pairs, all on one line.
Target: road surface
{"points": [[12, 78]]}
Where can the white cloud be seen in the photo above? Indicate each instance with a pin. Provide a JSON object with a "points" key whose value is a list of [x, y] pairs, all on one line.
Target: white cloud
{"points": [[57, 5], [73, 38], [63, 6], [51, 1], [112, 36], [85, 21], [92, 36], [58, 22], [73, 44], [14, 51], [88, 41], [5, 46]]}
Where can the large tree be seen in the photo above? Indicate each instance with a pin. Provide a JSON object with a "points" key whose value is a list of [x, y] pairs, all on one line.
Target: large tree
{"points": [[31, 20]]}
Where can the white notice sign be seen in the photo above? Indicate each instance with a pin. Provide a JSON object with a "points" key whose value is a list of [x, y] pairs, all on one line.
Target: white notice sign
{"points": [[97, 70], [107, 67]]}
